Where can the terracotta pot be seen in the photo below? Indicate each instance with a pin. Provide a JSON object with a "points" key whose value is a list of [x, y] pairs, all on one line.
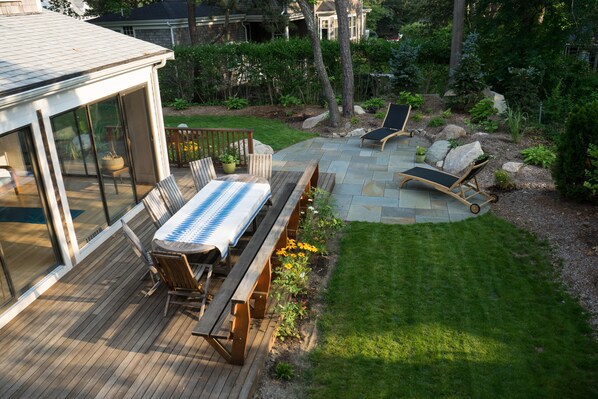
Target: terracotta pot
{"points": [[112, 164], [229, 168]]}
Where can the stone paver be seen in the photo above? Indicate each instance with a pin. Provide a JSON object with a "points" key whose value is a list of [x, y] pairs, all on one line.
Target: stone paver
{"points": [[367, 184]]}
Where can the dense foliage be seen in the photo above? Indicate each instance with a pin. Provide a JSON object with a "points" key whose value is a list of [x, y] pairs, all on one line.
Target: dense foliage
{"points": [[404, 69], [573, 163], [262, 73], [468, 78]]}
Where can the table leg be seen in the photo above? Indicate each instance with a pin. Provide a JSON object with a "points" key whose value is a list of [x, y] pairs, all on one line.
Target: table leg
{"points": [[115, 184]]}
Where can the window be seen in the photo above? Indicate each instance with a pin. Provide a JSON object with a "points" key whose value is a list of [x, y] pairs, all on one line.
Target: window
{"points": [[128, 30], [353, 27]]}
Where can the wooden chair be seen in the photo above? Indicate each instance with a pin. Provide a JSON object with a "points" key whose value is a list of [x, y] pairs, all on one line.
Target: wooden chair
{"points": [[182, 281], [202, 172], [260, 165], [393, 125], [144, 255], [462, 188], [171, 193], [156, 207]]}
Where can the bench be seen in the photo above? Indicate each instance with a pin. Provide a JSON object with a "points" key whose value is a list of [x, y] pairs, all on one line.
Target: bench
{"points": [[225, 324]]}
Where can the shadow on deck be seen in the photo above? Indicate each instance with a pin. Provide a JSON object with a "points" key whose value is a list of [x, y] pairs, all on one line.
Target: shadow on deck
{"points": [[94, 334]]}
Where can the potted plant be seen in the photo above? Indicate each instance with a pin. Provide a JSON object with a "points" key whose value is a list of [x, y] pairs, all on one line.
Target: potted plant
{"points": [[111, 161], [228, 160], [420, 154]]}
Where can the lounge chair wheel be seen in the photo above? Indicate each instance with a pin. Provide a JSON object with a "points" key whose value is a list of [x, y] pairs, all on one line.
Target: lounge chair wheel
{"points": [[493, 198], [474, 208]]}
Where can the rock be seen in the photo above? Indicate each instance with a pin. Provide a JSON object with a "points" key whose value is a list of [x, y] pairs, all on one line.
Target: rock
{"points": [[480, 134], [258, 147], [313, 121], [439, 164], [451, 132], [182, 125], [356, 109], [356, 133], [437, 151], [461, 157], [498, 100], [512, 167], [418, 132]]}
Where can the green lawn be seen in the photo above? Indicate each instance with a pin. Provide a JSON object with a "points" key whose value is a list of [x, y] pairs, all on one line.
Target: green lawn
{"points": [[274, 133], [459, 310]]}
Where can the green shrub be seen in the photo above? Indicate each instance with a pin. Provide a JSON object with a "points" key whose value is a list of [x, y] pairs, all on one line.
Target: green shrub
{"points": [[420, 150], [572, 160], [415, 100], [373, 104], [354, 120], [180, 104], [592, 172], [522, 89], [539, 156], [482, 110], [236, 103], [489, 125], [284, 371], [289, 101], [406, 74], [503, 180], [447, 113], [514, 119], [417, 117], [380, 115], [435, 122]]}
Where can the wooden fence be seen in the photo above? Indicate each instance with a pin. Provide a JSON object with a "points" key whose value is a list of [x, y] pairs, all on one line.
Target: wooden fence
{"points": [[189, 144]]}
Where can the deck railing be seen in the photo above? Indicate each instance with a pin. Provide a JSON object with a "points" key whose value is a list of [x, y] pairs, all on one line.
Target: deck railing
{"points": [[189, 144]]}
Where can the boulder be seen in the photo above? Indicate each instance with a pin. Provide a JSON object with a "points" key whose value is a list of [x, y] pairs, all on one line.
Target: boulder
{"points": [[512, 167], [312, 122], [461, 157], [356, 109], [439, 164], [356, 133], [258, 147], [498, 100], [451, 132], [182, 125], [437, 151]]}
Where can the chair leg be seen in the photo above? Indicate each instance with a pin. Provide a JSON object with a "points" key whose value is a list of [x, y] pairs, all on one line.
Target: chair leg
{"points": [[206, 292], [166, 307]]}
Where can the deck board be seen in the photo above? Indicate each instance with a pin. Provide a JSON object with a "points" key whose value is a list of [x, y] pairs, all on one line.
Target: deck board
{"points": [[94, 334]]}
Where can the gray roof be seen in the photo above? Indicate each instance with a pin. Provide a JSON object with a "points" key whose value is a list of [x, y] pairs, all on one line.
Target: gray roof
{"points": [[41, 49]]}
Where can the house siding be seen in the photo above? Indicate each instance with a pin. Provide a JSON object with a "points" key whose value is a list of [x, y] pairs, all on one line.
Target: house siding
{"points": [[206, 35], [18, 7]]}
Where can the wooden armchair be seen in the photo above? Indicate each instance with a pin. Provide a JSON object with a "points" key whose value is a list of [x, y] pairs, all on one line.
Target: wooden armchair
{"points": [[171, 193], [202, 172], [155, 206]]}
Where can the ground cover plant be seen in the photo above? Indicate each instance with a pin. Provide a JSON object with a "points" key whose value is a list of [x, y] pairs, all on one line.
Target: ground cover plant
{"points": [[271, 132], [467, 309]]}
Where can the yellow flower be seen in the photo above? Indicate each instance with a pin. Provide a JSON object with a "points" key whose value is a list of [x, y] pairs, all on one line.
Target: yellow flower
{"points": [[293, 255], [301, 254], [288, 266]]}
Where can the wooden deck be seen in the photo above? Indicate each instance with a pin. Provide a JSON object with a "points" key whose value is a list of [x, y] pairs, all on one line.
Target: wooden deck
{"points": [[93, 334]]}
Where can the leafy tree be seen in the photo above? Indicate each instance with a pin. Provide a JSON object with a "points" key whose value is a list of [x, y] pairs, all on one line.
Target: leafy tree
{"points": [[62, 7]]}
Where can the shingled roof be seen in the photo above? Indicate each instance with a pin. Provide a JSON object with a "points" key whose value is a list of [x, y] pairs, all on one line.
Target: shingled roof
{"points": [[41, 49]]}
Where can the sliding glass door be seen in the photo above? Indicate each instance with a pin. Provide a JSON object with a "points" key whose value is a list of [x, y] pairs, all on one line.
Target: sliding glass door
{"points": [[106, 159], [28, 248]]}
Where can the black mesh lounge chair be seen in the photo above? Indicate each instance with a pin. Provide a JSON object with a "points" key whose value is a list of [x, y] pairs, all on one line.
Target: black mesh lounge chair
{"points": [[462, 188], [393, 125]]}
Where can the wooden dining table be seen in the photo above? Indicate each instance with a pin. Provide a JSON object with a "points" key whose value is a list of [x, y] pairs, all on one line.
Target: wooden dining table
{"points": [[216, 217]]}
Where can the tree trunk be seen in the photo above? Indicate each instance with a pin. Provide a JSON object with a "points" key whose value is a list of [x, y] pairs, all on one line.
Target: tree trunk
{"points": [[344, 43], [306, 9], [191, 22], [457, 38]]}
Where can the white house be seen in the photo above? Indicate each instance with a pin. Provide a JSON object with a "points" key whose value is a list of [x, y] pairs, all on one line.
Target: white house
{"points": [[81, 141]]}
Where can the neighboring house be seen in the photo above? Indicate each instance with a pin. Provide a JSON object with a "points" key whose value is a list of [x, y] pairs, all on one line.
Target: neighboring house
{"points": [[77, 7], [165, 23], [70, 94]]}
